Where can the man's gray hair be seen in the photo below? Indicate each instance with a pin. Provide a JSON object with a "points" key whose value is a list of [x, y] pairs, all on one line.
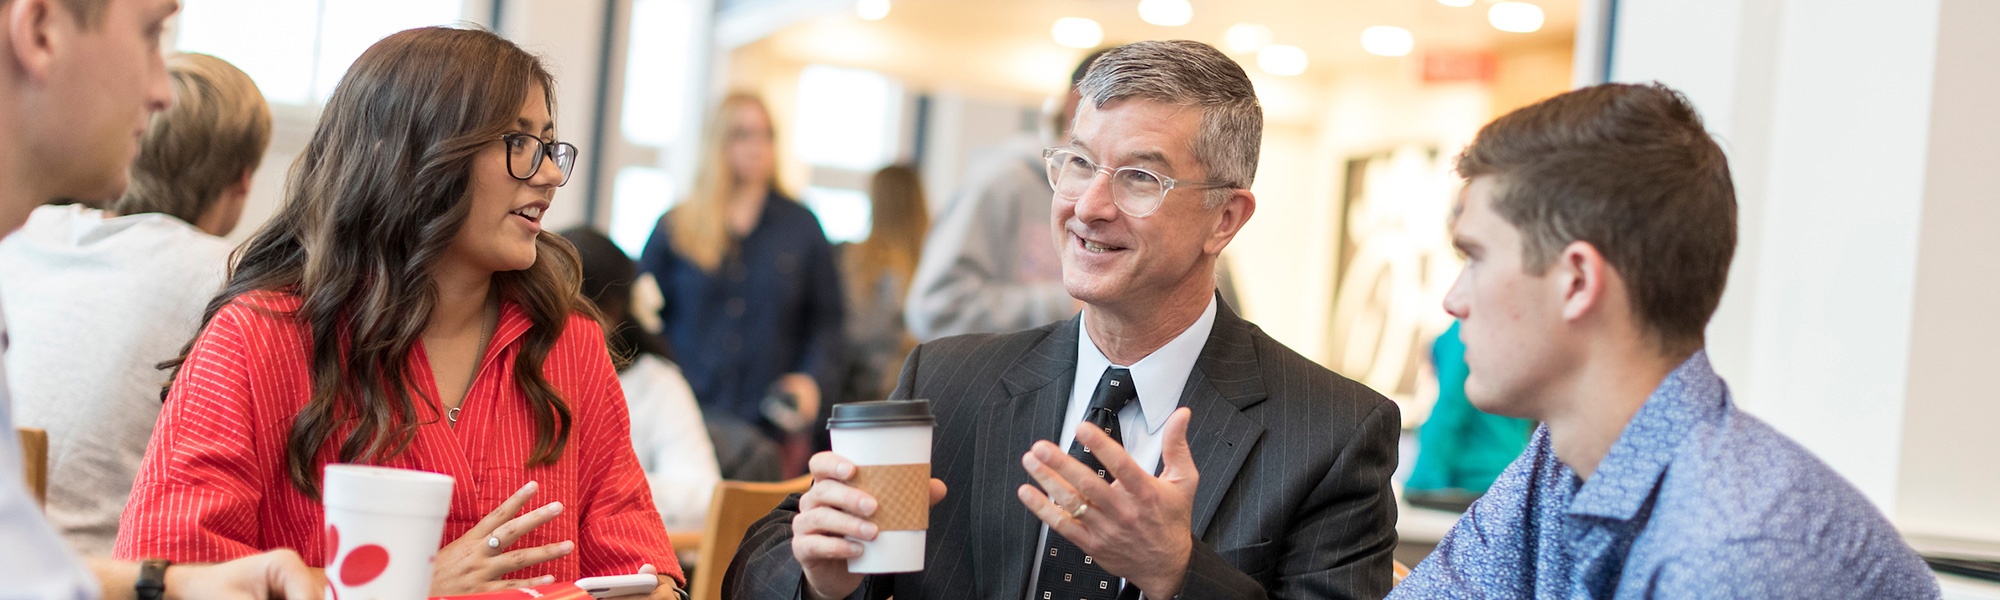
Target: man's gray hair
{"points": [[1189, 73]]}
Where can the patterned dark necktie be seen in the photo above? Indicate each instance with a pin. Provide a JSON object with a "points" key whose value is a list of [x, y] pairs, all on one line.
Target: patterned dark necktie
{"points": [[1068, 573]]}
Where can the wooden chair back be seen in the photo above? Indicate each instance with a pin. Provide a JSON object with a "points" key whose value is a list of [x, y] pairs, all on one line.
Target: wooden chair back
{"points": [[737, 504], [35, 461], [1402, 573]]}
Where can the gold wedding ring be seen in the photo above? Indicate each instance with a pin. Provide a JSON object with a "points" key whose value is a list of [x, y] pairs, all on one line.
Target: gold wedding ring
{"points": [[1081, 507]]}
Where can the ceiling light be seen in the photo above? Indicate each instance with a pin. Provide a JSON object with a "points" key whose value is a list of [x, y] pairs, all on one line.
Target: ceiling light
{"points": [[1166, 13], [1279, 59], [1517, 17], [1077, 32], [1246, 37], [1455, 2], [872, 10], [1383, 40]]}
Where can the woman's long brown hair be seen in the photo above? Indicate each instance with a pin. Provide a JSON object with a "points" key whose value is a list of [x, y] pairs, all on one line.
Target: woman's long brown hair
{"points": [[370, 207]]}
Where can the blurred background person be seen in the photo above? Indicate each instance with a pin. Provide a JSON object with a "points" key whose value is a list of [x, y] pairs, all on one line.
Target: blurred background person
{"points": [[405, 308], [1460, 450], [877, 274], [990, 264], [667, 428], [751, 293], [98, 298]]}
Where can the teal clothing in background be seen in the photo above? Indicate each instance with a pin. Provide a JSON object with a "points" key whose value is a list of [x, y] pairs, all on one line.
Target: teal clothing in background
{"points": [[1458, 447]]}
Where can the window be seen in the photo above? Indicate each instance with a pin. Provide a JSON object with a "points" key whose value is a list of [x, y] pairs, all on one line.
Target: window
{"points": [[847, 118], [297, 50], [639, 196]]}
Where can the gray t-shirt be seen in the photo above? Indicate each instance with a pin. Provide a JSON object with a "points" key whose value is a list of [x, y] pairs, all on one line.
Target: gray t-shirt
{"points": [[94, 304]]}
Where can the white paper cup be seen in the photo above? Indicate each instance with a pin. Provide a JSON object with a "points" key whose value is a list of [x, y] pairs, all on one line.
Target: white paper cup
{"points": [[890, 442], [383, 530]]}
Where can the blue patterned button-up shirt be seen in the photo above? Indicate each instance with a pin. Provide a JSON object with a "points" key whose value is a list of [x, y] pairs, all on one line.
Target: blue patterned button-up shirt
{"points": [[1696, 499]]}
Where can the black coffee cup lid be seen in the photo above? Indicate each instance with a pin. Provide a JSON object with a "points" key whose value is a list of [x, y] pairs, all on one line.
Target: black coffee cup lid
{"points": [[881, 413]]}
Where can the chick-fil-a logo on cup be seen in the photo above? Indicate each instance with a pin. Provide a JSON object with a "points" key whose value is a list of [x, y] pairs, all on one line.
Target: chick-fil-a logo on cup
{"points": [[383, 528]]}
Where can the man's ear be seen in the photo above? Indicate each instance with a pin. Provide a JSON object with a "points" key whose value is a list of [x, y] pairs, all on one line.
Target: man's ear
{"points": [[1584, 278], [29, 37], [1234, 213]]}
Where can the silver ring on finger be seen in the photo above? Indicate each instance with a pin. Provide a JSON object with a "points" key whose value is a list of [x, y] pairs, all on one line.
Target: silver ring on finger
{"points": [[1081, 507]]}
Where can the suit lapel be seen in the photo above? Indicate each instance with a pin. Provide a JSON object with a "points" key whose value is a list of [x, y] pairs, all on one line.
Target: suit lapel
{"points": [[1038, 389], [1224, 382]]}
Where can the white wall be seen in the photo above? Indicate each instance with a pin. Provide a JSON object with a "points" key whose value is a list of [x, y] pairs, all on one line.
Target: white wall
{"points": [[1858, 164], [1949, 485]]}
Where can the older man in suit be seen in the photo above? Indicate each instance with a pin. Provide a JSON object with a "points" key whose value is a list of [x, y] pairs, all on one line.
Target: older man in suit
{"points": [[1155, 445]]}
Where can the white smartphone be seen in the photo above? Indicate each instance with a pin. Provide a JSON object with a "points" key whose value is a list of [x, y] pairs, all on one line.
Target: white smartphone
{"points": [[619, 585]]}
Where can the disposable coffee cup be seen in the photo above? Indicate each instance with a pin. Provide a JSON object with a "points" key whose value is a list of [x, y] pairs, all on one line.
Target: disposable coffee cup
{"points": [[889, 443], [383, 530]]}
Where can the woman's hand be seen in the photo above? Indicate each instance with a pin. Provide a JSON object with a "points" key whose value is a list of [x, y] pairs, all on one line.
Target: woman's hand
{"points": [[474, 562]]}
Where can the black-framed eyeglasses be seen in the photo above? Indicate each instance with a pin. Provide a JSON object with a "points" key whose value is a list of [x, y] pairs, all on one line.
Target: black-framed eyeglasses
{"points": [[525, 153], [1137, 191]]}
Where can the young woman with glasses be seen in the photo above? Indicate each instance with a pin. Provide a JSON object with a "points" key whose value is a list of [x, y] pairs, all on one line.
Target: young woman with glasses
{"points": [[405, 308]]}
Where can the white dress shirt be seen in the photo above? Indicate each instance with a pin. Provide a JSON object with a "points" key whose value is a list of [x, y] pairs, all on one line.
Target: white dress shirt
{"points": [[34, 562], [1158, 378]]}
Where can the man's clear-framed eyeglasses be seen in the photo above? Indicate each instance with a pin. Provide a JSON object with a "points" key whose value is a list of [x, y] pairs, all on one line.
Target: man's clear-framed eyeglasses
{"points": [[525, 153], [1138, 192]]}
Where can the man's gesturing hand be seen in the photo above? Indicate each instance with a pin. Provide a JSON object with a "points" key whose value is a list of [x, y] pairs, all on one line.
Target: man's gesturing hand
{"points": [[829, 513], [1138, 528]]}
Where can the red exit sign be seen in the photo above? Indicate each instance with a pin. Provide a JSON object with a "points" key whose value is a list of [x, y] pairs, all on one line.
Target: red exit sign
{"points": [[1453, 65]]}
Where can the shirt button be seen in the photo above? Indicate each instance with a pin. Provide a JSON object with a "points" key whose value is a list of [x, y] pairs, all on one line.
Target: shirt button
{"points": [[734, 307]]}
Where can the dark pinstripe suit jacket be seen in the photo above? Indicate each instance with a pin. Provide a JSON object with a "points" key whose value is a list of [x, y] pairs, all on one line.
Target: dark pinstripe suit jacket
{"points": [[1294, 498]]}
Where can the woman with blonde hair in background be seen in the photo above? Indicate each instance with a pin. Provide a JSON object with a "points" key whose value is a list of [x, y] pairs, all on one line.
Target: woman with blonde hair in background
{"points": [[877, 272], [752, 296], [405, 308]]}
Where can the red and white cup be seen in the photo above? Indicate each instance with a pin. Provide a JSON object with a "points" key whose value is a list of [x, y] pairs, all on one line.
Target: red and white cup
{"points": [[383, 530]]}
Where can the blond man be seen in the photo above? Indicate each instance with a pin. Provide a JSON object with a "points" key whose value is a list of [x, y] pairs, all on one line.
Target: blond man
{"points": [[95, 299]]}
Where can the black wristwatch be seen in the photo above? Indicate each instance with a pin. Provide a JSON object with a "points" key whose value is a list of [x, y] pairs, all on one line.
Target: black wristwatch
{"points": [[152, 582]]}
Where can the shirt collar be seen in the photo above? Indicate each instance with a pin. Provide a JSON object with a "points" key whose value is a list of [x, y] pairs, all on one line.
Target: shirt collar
{"points": [[1630, 471], [1160, 376]]}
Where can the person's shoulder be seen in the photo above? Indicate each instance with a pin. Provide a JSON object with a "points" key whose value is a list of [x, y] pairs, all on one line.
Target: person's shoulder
{"points": [[582, 330], [1738, 478], [989, 345], [1276, 362], [270, 315]]}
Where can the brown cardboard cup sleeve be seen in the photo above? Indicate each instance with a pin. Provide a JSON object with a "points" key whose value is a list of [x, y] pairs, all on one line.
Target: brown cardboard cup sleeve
{"points": [[902, 494]]}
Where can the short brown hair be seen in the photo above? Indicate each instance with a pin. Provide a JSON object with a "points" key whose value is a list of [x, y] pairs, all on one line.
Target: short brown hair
{"points": [[1630, 170], [216, 130], [1189, 73]]}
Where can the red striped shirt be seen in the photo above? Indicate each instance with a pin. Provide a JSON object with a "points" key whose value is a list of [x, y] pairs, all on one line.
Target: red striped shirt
{"points": [[214, 488]]}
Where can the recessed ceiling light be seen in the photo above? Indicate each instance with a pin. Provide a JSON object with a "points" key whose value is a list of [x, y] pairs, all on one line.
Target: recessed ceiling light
{"points": [[872, 10], [1246, 37], [1077, 32], [1517, 17], [1279, 59], [1166, 13], [1384, 40]]}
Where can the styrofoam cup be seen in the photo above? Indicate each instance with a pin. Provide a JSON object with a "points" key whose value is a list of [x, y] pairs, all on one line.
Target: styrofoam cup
{"points": [[383, 530]]}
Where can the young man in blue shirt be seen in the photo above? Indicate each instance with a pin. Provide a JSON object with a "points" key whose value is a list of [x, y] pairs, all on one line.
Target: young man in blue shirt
{"points": [[1598, 227]]}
